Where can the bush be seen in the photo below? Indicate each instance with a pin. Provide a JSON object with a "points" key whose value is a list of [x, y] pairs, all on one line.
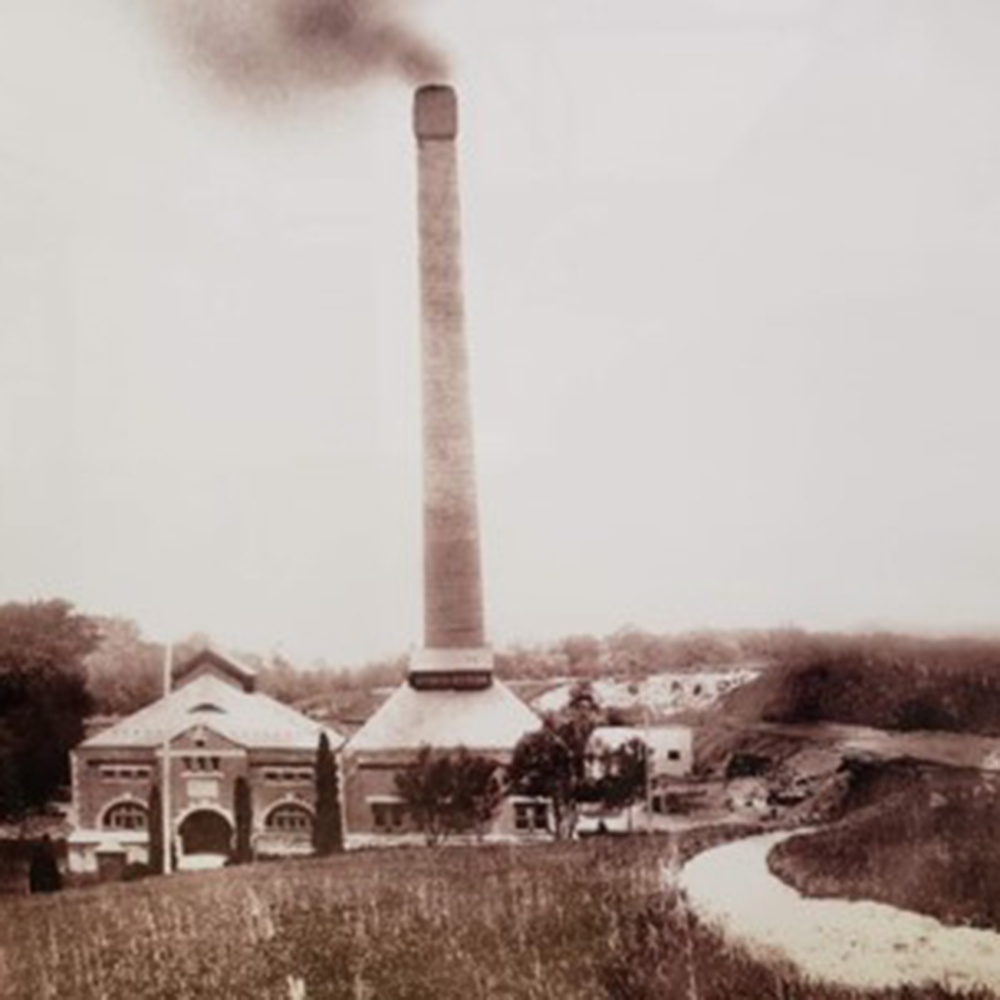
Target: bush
{"points": [[43, 869], [136, 870], [450, 792]]}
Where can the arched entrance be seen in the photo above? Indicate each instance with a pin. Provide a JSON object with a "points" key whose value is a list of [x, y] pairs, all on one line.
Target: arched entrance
{"points": [[205, 832]]}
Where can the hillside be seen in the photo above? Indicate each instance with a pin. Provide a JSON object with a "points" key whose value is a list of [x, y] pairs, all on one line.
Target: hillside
{"points": [[656, 696], [919, 838], [882, 681]]}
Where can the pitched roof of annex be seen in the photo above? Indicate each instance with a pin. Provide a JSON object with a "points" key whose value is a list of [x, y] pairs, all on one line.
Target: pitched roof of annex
{"points": [[490, 718]]}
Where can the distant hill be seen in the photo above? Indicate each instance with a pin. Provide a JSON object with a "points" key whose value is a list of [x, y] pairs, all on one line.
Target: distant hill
{"points": [[883, 680], [880, 680], [125, 672]]}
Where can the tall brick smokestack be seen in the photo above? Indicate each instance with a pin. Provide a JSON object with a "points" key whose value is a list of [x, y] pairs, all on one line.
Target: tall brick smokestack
{"points": [[454, 651]]}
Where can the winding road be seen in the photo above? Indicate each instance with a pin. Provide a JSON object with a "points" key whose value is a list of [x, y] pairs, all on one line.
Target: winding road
{"points": [[862, 945], [962, 750]]}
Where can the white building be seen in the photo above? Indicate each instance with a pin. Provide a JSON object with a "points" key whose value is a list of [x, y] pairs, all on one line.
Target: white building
{"points": [[671, 747]]}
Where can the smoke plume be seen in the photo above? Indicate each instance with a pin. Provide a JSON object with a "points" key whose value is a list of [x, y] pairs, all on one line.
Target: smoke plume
{"points": [[273, 48]]}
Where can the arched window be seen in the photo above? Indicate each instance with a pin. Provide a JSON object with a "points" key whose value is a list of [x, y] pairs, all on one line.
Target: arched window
{"points": [[290, 818], [126, 816]]}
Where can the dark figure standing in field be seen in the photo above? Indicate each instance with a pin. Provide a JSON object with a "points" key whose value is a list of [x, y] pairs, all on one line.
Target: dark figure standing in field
{"points": [[43, 873]]}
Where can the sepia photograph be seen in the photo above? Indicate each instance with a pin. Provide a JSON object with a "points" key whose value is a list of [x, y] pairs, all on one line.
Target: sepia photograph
{"points": [[499, 500]]}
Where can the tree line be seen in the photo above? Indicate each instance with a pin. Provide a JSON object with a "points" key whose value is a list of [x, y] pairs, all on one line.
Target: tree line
{"points": [[44, 699], [124, 672]]}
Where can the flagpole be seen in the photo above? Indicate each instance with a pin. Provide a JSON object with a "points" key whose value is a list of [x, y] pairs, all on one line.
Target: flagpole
{"points": [[168, 858]]}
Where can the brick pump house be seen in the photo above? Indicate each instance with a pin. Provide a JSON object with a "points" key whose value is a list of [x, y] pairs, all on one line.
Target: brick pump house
{"points": [[433, 707], [216, 727]]}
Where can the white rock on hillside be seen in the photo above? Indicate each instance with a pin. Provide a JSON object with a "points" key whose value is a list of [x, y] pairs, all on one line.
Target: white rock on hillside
{"points": [[676, 691]]}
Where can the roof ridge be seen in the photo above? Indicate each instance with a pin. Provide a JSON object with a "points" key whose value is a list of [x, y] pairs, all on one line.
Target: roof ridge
{"points": [[246, 715]]}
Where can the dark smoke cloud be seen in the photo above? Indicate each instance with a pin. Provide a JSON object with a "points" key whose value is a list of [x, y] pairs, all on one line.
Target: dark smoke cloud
{"points": [[274, 48]]}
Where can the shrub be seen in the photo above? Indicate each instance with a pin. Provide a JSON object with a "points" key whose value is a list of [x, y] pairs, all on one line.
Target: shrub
{"points": [[136, 870]]}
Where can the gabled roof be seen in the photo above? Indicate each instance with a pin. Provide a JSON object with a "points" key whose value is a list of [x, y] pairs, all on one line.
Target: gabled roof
{"points": [[251, 719], [211, 660], [491, 718]]}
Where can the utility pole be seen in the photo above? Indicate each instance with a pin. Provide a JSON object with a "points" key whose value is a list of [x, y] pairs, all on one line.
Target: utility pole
{"points": [[168, 840], [650, 757], [649, 754]]}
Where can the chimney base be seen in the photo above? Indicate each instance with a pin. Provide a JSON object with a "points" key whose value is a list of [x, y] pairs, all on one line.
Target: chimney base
{"points": [[451, 669]]}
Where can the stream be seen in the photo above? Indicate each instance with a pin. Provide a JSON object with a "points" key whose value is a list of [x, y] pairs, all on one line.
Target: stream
{"points": [[857, 944]]}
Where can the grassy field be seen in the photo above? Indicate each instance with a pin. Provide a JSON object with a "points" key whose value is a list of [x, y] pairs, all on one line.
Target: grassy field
{"points": [[922, 839], [558, 922]]}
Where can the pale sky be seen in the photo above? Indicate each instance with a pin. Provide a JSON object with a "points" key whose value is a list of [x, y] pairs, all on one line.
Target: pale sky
{"points": [[733, 287]]}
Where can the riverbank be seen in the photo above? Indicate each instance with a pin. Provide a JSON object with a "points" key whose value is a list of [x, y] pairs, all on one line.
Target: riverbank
{"points": [[853, 944], [919, 838]]}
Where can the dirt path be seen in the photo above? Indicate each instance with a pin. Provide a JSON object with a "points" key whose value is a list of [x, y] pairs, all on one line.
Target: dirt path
{"points": [[934, 747], [856, 944]]}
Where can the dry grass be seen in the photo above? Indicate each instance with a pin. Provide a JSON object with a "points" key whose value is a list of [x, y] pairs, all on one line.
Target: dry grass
{"points": [[560, 922]]}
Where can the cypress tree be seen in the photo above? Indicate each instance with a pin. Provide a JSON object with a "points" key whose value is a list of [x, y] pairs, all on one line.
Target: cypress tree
{"points": [[155, 831], [328, 834], [243, 812]]}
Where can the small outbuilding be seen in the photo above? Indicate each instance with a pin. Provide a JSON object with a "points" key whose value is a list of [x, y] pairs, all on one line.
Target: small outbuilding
{"points": [[671, 747]]}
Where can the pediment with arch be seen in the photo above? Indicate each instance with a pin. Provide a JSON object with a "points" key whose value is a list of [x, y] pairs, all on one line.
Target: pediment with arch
{"points": [[202, 738]]}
